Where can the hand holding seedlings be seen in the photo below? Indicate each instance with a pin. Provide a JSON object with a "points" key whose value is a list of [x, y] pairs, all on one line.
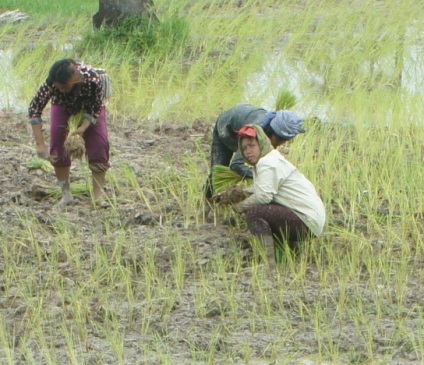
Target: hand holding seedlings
{"points": [[232, 195], [81, 129]]}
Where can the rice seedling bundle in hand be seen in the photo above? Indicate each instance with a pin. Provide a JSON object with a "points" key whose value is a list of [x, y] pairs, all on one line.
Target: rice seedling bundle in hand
{"points": [[74, 144], [223, 177]]}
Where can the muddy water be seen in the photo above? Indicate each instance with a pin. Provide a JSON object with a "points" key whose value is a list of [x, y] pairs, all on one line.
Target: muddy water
{"points": [[279, 73], [10, 84]]}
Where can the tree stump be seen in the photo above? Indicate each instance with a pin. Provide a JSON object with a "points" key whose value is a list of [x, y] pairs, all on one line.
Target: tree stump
{"points": [[112, 12]]}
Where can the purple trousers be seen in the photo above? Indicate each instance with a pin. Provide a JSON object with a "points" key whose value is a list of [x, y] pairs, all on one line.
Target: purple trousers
{"points": [[95, 138], [278, 221]]}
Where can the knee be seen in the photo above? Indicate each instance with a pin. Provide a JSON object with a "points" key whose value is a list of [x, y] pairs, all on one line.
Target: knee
{"points": [[252, 215], [255, 221], [249, 215]]}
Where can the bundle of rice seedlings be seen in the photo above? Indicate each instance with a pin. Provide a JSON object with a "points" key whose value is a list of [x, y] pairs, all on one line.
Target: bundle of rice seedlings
{"points": [[74, 144], [78, 190], [223, 177], [39, 164], [285, 100]]}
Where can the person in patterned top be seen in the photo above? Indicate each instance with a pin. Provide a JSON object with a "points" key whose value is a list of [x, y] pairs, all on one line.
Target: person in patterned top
{"points": [[73, 88]]}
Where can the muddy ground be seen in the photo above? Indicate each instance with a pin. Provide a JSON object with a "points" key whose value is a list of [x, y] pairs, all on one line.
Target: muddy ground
{"points": [[185, 332]]}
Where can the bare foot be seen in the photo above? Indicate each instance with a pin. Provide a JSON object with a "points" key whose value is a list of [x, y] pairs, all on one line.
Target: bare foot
{"points": [[66, 200], [101, 204], [101, 201]]}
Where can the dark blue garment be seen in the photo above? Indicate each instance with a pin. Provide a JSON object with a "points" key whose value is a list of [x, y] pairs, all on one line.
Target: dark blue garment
{"points": [[225, 142], [234, 119]]}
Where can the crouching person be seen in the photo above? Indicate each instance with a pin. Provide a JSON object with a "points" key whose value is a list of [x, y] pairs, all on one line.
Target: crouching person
{"points": [[279, 126], [284, 206]]}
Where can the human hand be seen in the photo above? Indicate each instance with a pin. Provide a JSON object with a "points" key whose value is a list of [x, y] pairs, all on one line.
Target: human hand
{"points": [[82, 128], [80, 131], [42, 151], [232, 195]]}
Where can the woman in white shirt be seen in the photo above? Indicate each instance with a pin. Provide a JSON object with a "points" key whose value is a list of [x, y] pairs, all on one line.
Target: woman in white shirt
{"points": [[284, 206]]}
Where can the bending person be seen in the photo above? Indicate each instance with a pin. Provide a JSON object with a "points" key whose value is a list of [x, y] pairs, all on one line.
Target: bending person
{"points": [[73, 87], [280, 127], [285, 206]]}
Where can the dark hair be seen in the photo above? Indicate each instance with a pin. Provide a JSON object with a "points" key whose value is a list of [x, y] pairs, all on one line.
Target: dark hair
{"points": [[268, 130], [61, 71]]}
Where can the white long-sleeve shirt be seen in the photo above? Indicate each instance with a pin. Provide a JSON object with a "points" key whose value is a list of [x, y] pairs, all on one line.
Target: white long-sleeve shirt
{"points": [[276, 180]]}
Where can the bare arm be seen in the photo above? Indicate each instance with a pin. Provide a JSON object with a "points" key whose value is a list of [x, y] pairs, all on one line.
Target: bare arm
{"points": [[40, 145]]}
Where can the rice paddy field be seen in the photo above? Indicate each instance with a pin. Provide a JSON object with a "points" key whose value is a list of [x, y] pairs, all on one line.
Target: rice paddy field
{"points": [[150, 279]]}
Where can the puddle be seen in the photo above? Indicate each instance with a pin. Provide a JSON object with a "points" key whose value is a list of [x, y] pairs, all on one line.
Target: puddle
{"points": [[10, 84], [278, 74], [162, 103]]}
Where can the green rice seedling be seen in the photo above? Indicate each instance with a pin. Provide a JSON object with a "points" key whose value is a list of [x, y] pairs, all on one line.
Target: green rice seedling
{"points": [[6, 342], [116, 339], [223, 177], [79, 190], [124, 179], [179, 264], [285, 100], [73, 344], [39, 164]]}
